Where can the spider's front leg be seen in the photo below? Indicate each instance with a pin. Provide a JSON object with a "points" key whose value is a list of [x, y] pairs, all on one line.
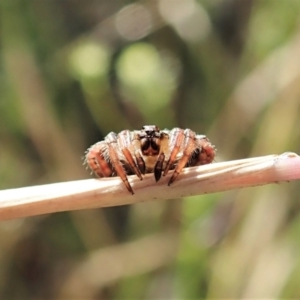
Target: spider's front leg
{"points": [[175, 144], [189, 146]]}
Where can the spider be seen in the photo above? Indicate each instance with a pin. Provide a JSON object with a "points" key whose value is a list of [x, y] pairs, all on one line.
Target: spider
{"points": [[149, 150]]}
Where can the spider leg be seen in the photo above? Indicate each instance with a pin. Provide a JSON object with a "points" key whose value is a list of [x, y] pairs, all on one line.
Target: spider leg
{"points": [[124, 142], [112, 142], [189, 147], [95, 158], [159, 166], [176, 140]]}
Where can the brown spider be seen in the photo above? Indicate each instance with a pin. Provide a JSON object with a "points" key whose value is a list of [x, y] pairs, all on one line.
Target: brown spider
{"points": [[149, 150]]}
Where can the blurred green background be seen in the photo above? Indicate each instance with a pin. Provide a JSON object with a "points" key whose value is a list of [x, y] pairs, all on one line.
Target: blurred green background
{"points": [[72, 71]]}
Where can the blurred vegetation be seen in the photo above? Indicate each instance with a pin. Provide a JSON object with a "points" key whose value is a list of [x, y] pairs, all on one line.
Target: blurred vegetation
{"points": [[72, 71]]}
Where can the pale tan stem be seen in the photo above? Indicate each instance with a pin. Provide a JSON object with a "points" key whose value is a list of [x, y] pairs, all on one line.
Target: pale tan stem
{"points": [[96, 193]]}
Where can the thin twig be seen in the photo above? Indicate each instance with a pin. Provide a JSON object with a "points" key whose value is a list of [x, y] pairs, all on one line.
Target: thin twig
{"points": [[96, 193]]}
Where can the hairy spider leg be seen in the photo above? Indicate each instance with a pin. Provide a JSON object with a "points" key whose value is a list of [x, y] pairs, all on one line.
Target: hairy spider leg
{"points": [[189, 147], [112, 142], [124, 141], [95, 158], [176, 140]]}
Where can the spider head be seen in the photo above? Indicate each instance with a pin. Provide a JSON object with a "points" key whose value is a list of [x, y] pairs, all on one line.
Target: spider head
{"points": [[151, 130], [150, 137]]}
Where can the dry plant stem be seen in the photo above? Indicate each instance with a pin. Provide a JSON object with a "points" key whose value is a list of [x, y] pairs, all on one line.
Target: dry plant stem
{"points": [[96, 193]]}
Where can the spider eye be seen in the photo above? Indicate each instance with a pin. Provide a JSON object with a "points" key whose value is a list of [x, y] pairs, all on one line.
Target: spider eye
{"points": [[151, 130]]}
